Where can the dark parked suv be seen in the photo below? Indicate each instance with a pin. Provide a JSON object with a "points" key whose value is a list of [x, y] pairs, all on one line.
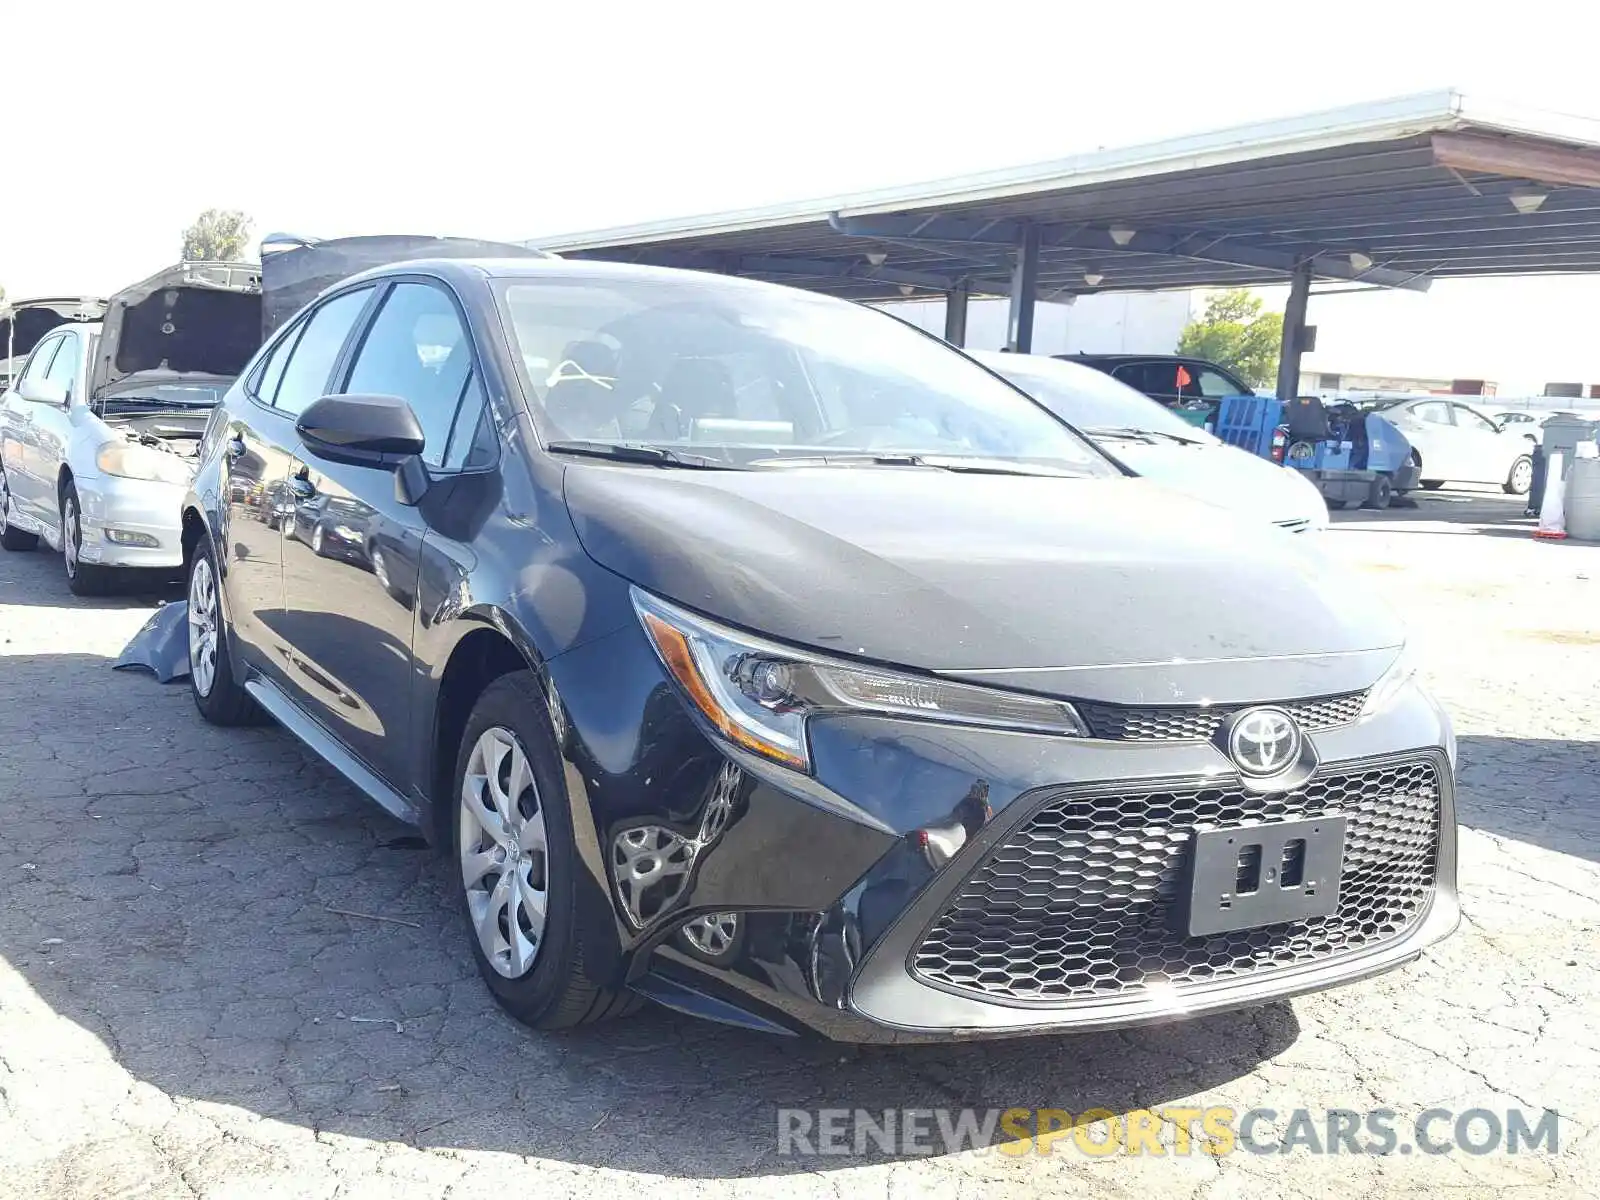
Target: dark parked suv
{"points": [[756, 653]]}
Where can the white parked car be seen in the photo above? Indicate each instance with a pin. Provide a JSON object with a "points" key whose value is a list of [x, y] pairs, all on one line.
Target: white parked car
{"points": [[1457, 443], [1161, 446], [100, 428]]}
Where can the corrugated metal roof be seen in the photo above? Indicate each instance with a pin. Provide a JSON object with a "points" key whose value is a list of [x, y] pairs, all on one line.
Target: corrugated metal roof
{"points": [[1395, 193]]}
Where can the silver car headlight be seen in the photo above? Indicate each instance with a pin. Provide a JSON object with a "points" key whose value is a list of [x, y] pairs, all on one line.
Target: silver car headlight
{"points": [[128, 461], [1393, 681], [759, 695]]}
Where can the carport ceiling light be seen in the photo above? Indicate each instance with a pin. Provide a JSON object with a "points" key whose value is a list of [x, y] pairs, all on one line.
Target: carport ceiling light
{"points": [[1122, 235], [1093, 278], [1359, 261], [1527, 200], [877, 258]]}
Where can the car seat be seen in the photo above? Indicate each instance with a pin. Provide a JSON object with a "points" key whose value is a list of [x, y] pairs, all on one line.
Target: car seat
{"points": [[582, 399], [692, 388]]}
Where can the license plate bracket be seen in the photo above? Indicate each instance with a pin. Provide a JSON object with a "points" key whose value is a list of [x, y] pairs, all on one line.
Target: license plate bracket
{"points": [[1247, 876]]}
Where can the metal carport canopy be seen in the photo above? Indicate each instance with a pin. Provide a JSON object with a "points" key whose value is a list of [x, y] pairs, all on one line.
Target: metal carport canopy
{"points": [[1421, 186], [1393, 194]]}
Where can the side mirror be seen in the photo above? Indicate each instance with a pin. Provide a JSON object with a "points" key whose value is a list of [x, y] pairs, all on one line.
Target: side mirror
{"points": [[43, 391], [366, 431]]}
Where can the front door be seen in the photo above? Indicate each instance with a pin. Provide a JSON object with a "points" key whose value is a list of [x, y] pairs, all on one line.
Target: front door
{"points": [[350, 567], [52, 431]]}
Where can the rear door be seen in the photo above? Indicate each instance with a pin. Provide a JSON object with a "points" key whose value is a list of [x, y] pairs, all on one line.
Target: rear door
{"points": [[1432, 430], [18, 438], [259, 466], [350, 573]]}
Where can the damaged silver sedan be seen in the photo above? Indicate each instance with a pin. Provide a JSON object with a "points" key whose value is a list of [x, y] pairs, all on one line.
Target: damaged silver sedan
{"points": [[100, 430]]}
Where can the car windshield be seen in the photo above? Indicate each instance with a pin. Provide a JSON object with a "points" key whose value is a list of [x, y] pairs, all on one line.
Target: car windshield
{"points": [[729, 371], [1088, 398], [165, 395]]}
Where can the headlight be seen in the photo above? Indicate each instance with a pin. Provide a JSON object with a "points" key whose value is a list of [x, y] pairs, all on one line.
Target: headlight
{"points": [[759, 694], [140, 462], [1384, 693]]}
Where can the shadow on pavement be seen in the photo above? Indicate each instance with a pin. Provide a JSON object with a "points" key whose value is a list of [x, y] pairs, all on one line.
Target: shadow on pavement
{"points": [[1543, 792], [189, 874]]}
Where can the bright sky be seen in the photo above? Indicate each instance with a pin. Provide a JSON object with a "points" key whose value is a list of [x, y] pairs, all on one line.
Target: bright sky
{"points": [[507, 120]]}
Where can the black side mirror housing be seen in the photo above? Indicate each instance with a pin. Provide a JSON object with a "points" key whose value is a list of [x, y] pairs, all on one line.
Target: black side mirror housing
{"points": [[368, 431]]}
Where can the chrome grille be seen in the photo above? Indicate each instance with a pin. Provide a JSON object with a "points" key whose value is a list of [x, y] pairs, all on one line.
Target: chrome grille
{"points": [[1083, 901], [1192, 723]]}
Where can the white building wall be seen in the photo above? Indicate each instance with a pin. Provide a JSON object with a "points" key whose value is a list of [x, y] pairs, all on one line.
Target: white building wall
{"points": [[1114, 323]]}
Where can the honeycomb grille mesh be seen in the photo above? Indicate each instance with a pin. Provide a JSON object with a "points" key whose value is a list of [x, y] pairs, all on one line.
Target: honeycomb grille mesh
{"points": [[1079, 903], [1174, 723]]}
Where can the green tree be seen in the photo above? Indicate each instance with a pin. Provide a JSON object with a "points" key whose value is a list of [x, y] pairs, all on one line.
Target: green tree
{"points": [[216, 236], [1237, 334]]}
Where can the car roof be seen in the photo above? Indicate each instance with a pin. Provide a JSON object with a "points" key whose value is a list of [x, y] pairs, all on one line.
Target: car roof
{"points": [[463, 269]]}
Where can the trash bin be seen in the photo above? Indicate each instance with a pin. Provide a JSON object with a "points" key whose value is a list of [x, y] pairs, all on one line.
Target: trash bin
{"points": [[1582, 501]]}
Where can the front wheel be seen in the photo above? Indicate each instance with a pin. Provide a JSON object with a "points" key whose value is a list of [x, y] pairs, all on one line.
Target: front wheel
{"points": [[12, 538], [213, 682], [85, 579], [531, 919], [1520, 481]]}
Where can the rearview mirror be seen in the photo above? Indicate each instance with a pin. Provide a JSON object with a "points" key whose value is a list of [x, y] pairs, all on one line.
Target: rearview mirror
{"points": [[43, 391], [371, 431]]}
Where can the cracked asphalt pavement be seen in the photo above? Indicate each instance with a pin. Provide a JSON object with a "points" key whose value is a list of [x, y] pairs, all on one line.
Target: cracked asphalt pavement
{"points": [[183, 1012]]}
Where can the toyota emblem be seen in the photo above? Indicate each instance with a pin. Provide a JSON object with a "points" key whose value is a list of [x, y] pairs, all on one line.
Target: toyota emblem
{"points": [[1264, 741]]}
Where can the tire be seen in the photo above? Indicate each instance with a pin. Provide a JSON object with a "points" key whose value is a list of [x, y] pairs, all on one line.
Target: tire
{"points": [[85, 579], [1433, 485], [1380, 494], [218, 693], [1336, 505], [1519, 482], [12, 538], [556, 987]]}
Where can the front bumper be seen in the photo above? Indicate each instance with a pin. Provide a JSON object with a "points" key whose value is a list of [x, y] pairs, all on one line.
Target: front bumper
{"points": [[799, 903], [130, 522]]}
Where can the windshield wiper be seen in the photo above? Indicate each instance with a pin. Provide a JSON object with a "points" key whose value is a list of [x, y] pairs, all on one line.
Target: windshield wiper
{"points": [[939, 462], [151, 404], [632, 452], [1128, 431]]}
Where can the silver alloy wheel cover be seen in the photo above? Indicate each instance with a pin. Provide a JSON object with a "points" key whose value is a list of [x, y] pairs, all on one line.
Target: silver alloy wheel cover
{"points": [[316, 538], [713, 933], [504, 852], [1522, 475], [69, 536], [380, 568], [5, 502], [203, 625]]}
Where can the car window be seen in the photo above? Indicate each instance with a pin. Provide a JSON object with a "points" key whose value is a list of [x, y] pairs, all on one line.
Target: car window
{"points": [[1433, 413], [1214, 383], [1085, 397], [1468, 419], [305, 376], [1151, 378], [64, 369], [473, 445], [417, 349], [39, 364], [265, 378]]}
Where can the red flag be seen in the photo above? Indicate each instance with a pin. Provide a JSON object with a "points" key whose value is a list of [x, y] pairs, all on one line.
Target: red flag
{"points": [[1183, 377]]}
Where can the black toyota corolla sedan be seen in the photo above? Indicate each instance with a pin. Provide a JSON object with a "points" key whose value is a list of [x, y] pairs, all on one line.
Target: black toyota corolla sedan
{"points": [[753, 652]]}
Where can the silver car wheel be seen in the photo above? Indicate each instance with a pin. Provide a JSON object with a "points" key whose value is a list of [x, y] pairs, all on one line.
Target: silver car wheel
{"points": [[202, 627], [1522, 476], [380, 567], [504, 852], [316, 539], [712, 934], [5, 503], [69, 536]]}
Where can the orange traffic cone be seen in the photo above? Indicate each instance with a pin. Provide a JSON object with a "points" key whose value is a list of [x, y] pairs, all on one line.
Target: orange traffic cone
{"points": [[1553, 513]]}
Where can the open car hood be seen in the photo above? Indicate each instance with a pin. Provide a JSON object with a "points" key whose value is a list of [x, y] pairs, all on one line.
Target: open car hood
{"points": [[296, 270], [195, 318], [23, 323]]}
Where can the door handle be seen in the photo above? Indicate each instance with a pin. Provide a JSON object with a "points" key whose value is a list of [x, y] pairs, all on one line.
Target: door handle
{"points": [[236, 447]]}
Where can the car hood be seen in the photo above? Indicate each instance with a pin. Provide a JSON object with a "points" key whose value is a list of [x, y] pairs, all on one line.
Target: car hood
{"points": [[1103, 588], [1228, 477], [196, 319]]}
